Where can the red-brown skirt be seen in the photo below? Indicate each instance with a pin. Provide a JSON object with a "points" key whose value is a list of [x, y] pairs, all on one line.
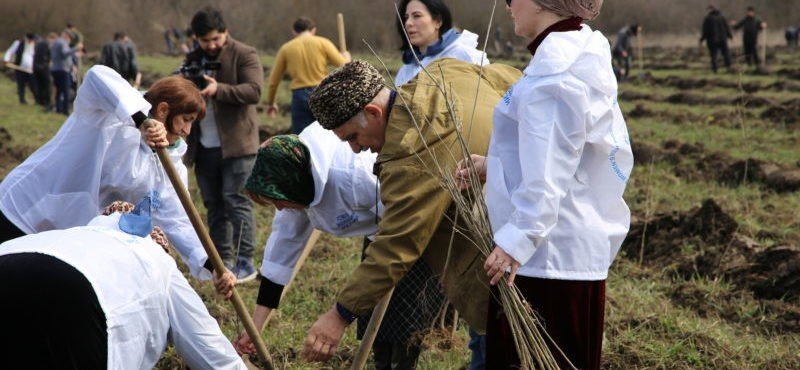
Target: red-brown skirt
{"points": [[573, 314]]}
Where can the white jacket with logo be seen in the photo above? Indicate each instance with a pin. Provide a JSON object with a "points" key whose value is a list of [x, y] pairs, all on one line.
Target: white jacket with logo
{"points": [[344, 202], [99, 156], [559, 160], [146, 301]]}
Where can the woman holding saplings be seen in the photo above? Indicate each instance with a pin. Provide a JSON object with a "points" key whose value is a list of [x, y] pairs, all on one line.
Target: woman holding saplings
{"points": [[428, 25], [557, 166], [103, 153]]}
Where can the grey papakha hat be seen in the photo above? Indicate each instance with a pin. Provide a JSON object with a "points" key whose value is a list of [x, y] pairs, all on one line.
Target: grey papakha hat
{"points": [[344, 93]]}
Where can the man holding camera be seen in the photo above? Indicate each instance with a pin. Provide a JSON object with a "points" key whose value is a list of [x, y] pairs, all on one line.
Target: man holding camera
{"points": [[224, 144]]}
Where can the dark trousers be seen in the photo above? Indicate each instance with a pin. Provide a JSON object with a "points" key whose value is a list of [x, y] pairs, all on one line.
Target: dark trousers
{"points": [[43, 84], [301, 111], [573, 314], [622, 64], [63, 82], [715, 49], [416, 300], [751, 53], [230, 212], [8, 230], [395, 355], [50, 316], [24, 79]]}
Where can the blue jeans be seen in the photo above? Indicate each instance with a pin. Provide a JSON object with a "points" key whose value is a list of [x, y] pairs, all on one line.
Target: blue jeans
{"points": [[301, 112], [477, 344], [230, 212], [63, 82]]}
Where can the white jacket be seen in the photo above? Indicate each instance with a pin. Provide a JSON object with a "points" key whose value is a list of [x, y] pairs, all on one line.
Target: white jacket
{"points": [[344, 202], [98, 156], [559, 160], [145, 298], [464, 49]]}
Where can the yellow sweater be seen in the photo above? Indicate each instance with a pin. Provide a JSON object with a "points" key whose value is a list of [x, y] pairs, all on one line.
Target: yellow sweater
{"points": [[306, 59]]}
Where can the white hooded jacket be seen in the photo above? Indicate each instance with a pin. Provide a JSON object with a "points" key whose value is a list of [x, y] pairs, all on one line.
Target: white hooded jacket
{"points": [[99, 156], [146, 301], [344, 202], [464, 49], [559, 160]]}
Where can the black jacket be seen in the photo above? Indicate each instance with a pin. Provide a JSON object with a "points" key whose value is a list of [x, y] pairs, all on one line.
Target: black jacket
{"points": [[750, 26], [41, 56], [716, 29]]}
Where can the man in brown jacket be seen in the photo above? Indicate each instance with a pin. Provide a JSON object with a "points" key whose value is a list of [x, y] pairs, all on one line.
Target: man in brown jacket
{"points": [[224, 144], [354, 103]]}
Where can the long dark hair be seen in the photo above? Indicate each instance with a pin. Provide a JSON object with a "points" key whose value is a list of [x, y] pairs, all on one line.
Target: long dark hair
{"points": [[439, 11]]}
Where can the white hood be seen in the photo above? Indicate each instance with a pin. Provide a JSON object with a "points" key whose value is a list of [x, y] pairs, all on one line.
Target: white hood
{"points": [[579, 53]]}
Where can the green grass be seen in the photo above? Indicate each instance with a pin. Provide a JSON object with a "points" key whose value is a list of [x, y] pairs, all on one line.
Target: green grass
{"points": [[646, 326]]}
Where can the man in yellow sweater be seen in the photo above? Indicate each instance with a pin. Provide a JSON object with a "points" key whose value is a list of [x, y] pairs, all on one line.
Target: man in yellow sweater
{"points": [[306, 59]]}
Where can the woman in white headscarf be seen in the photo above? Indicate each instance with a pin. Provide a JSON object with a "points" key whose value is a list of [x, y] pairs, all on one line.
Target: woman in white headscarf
{"points": [[558, 163]]}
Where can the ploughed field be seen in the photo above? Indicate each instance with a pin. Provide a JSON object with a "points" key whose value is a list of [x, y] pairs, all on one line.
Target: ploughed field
{"points": [[709, 276]]}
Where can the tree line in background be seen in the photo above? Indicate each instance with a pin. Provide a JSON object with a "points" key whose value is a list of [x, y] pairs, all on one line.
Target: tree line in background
{"points": [[267, 24]]}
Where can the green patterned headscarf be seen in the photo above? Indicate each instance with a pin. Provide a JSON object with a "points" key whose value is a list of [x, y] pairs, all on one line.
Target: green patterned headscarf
{"points": [[283, 171]]}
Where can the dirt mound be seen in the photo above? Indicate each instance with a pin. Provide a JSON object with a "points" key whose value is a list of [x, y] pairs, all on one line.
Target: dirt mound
{"points": [[786, 113], [785, 85], [715, 250], [784, 180], [640, 111], [772, 315], [662, 237], [667, 65], [633, 95], [693, 163], [752, 101], [746, 100], [644, 154], [684, 83], [5, 137], [686, 98], [774, 273], [683, 148], [793, 73], [10, 155], [748, 170]]}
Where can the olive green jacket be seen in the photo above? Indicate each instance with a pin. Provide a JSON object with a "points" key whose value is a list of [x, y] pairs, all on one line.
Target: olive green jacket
{"points": [[414, 224]]}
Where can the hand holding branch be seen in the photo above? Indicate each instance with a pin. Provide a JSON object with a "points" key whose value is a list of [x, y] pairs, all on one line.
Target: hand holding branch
{"points": [[498, 263], [463, 171]]}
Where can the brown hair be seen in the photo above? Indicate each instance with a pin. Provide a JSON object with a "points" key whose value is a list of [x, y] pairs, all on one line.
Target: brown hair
{"points": [[180, 94]]}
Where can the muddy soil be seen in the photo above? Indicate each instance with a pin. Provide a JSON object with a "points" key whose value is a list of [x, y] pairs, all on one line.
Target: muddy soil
{"points": [[782, 317], [724, 117], [787, 113], [10, 155], [694, 163], [705, 242]]}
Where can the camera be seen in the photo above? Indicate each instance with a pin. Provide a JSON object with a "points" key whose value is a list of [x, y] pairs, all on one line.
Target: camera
{"points": [[195, 69]]}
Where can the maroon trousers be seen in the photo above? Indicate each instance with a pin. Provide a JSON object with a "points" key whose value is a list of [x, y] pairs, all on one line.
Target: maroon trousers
{"points": [[573, 314]]}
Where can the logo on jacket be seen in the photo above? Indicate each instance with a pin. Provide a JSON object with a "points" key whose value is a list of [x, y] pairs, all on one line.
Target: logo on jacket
{"points": [[346, 220], [508, 95]]}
